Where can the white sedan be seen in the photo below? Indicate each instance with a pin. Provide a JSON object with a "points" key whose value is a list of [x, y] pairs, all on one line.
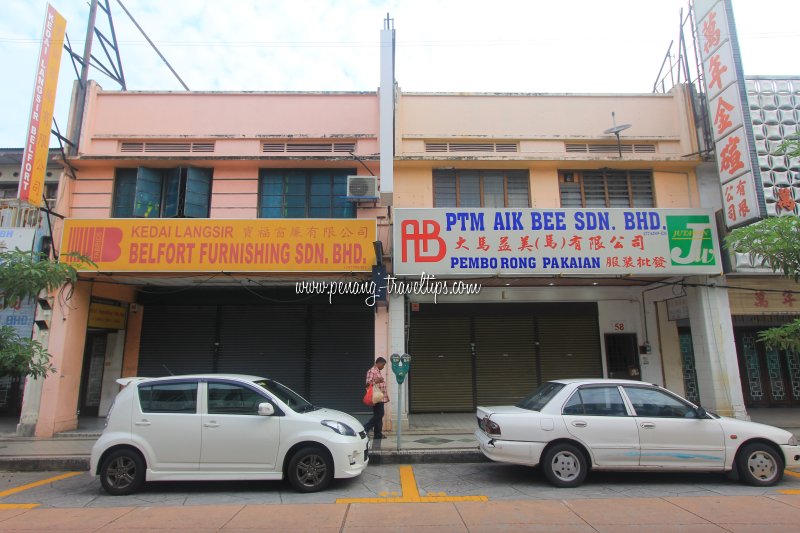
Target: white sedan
{"points": [[571, 426], [223, 427]]}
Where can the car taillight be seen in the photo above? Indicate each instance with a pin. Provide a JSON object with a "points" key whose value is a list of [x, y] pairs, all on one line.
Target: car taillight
{"points": [[490, 427]]}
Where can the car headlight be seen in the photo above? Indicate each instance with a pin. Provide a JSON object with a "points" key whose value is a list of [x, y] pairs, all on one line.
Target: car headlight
{"points": [[792, 441], [340, 428]]}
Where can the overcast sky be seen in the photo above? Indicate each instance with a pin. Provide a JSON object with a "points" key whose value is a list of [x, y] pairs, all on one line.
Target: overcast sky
{"points": [[446, 45]]}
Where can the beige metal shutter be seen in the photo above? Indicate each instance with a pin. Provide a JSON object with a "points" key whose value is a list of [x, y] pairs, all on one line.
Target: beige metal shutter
{"points": [[440, 379], [569, 347], [505, 364]]}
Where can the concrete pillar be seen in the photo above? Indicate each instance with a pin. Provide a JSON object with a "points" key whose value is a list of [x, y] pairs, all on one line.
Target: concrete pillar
{"points": [[714, 348], [397, 344]]}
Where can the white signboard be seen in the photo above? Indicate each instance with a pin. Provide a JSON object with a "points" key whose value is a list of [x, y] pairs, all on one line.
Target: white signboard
{"points": [[12, 238], [726, 106], [465, 242]]}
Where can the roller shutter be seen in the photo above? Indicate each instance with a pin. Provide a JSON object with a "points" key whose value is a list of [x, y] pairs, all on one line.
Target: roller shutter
{"points": [[177, 340], [441, 365], [505, 358], [342, 350], [569, 347], [265, 341]]}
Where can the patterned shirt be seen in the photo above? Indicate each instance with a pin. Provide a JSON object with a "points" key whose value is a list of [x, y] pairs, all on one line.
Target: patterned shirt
{"points": [[372, 379]]}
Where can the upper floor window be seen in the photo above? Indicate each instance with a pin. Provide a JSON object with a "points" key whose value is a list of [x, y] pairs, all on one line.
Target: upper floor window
{"points": [[304, 193], [606, 188], [481, 188], [162, 192]]}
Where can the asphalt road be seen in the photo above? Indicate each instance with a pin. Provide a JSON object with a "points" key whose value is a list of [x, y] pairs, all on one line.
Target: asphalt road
{"points": [[378, 484]]}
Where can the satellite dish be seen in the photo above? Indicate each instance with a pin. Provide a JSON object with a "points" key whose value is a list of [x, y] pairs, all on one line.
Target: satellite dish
{"points": [[615, 130]]}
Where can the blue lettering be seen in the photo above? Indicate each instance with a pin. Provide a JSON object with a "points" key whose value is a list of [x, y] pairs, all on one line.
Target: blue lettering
{"points": [[642, 220], [548, 221], [591, 220], [475, 221]]}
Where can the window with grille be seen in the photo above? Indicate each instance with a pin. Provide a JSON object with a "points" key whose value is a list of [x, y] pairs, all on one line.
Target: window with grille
{"points": [[162, 192], [606, 188], [304, 193], [481, 188]]}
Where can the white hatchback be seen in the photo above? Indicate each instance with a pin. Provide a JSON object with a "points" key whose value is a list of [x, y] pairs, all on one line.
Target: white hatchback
{"points": [[570, 426], [223, 427]]}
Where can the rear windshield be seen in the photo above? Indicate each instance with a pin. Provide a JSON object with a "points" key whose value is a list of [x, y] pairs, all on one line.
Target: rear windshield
{"points": [[541, 396]]}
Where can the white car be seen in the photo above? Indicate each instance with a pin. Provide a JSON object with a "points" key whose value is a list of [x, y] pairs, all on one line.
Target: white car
{"points": [[571, 426], [223, 427]]}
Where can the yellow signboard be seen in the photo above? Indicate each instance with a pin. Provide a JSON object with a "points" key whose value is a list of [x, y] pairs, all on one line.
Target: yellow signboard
{"points": [[106, 316], [206, 245], [37, 139]]}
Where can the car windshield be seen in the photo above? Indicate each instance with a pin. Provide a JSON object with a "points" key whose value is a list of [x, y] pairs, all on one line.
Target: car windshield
{"points": [[286, 395], [541, 397]]}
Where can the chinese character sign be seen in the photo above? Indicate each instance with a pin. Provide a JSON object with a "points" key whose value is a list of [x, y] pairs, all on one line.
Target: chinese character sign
{"points": [[728, 112], [560, 241]]}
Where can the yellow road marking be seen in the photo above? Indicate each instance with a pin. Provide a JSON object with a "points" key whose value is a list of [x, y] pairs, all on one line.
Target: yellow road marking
{"points": [[18, 506], [410, 493], [792, 473], [35, 484]]}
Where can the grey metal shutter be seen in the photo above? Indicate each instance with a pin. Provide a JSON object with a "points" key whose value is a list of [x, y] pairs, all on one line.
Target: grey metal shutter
{"points": [[440, 379], [505, 363], [342, 350], [178, 338], [569, 347], [264, 340]]}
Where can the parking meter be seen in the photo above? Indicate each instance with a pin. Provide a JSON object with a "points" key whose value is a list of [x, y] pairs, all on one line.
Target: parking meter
{"points": [[400, 366]]}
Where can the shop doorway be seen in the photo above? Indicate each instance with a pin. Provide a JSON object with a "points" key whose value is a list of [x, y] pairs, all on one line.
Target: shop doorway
{"points": [[94, 359], [622, 356]]}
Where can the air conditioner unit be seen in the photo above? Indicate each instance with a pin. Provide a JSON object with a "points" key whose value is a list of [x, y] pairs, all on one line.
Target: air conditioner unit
{"points": [[362, 186]]}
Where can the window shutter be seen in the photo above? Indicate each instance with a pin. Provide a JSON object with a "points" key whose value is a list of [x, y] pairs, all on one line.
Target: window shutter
{"points": [[148, 193], [469, 188], [642, 189], [444, 188], [198, 192], [594, 189], [124, 192], [617, 185], [172, 192]]}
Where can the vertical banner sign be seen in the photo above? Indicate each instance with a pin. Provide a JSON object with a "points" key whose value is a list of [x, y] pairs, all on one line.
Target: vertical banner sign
{"points": [[728, 109], [37, 138]]}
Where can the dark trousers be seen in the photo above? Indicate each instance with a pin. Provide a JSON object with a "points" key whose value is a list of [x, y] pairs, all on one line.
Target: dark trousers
{"points": [[376, 422]]}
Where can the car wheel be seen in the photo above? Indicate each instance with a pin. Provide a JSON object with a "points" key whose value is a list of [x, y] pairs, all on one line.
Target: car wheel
{"points": [[759, 465], [564, 465], [122, 472], [310, 469]]}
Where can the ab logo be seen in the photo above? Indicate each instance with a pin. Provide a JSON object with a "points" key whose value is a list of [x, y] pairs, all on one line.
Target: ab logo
{"points": [[690, 240], [428, 246]]}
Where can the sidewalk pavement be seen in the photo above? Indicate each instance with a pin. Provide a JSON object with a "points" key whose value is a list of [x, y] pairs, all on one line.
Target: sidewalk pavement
{"points": [[636, 515]]}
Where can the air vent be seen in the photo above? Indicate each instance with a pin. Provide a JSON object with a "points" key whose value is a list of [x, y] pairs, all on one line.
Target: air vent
{"points": [[160, 147], [317, 148], [471, 147], [608, 148]]}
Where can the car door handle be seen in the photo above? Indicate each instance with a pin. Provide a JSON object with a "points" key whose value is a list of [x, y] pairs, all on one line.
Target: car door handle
{"points": [[143, 423], [648, 425], [211, 424], [579, 424]]}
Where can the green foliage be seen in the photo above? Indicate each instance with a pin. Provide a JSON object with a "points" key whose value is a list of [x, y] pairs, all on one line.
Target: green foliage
{"points": [[791, 145], [20, 356], [777, 241], [24, 275]]}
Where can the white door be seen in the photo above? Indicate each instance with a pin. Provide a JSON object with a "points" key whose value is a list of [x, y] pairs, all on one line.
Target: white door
{"points": [[235, 437], [167, 424], [597, 417], [670, 433]]}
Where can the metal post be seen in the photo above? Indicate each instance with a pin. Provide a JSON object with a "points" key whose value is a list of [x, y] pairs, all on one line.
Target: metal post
{"points": [[399, 407]]}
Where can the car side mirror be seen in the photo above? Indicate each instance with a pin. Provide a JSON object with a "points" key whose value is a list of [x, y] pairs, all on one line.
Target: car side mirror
{"points": [[266, 409], [701, 413]]}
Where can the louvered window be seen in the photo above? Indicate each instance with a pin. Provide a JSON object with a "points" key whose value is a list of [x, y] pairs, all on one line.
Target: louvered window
{"points": [[162, 192], [169, 147], [306, 147], [606, 188], [481, 188], [609, 148], [304, 193]]}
